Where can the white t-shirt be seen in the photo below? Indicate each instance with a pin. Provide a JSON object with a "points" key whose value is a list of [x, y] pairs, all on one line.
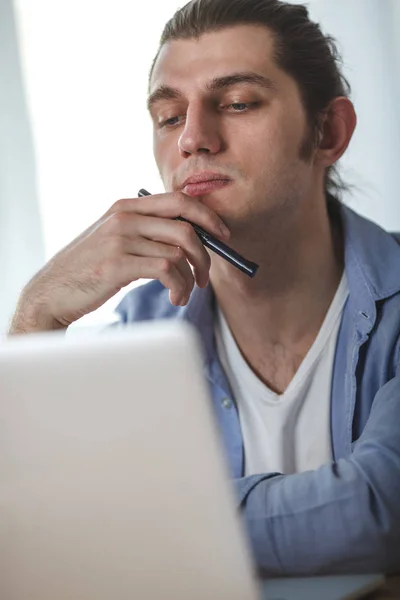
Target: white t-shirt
{"points": [[288, 432]]}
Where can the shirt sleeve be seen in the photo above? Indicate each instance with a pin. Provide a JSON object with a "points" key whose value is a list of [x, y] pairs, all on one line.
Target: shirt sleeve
{"points": [[343, 517]]}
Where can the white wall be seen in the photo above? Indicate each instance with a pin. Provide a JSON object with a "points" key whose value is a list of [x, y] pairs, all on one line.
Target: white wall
{"points": [[368, 33], [21, 242], [395, 33]]}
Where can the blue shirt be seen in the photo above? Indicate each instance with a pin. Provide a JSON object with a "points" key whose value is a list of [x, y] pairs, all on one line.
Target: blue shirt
{"points": [[345, 516]]}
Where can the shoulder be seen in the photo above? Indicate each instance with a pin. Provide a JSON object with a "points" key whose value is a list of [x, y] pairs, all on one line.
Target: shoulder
{"points": [[372, 256]]}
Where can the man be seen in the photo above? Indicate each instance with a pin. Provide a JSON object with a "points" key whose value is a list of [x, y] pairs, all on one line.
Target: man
{"points": [[250, 115]]}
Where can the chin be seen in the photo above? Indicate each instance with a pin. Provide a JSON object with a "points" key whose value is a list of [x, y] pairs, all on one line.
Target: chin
{"points": [[227, 206]]}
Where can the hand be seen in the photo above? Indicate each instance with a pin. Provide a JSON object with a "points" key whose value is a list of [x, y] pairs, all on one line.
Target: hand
{"points": [[136, 238]]}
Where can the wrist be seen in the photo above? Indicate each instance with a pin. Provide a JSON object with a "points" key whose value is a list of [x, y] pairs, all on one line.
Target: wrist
{"points": [[31, 317]]}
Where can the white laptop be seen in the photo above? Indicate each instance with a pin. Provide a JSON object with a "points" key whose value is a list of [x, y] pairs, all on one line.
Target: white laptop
{"points": [[112, 481]]}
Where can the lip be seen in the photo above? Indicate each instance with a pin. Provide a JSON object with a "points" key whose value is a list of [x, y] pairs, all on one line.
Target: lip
{"points": [[202, 183], [205, 176], [205, 187]]}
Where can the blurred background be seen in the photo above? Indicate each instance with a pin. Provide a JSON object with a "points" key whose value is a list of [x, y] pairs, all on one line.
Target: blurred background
{"points": [[75, 135]]}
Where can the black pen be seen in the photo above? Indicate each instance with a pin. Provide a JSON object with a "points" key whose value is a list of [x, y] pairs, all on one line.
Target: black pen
{"points": [[218, 247]]}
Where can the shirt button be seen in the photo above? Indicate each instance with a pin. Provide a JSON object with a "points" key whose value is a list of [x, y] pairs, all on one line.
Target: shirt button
{"points": [[226, 402]]}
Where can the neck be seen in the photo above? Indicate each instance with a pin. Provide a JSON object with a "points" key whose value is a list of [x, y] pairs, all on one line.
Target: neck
{"points": [[300, 266]]}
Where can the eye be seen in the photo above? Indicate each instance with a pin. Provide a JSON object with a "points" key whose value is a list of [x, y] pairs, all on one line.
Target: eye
{"points": [[169, 122], [242, 106], [239, 106]]}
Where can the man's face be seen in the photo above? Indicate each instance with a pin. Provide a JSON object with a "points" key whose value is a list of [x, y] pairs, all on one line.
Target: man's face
{"points": [[251, 132]]}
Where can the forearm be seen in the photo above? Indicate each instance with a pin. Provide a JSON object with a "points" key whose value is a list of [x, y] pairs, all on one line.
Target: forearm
{"points": [[295, 529], [344, 517], [31, 316]]}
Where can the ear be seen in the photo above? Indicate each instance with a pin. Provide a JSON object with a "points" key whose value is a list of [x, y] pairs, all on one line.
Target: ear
{"points": [[337, 129]]}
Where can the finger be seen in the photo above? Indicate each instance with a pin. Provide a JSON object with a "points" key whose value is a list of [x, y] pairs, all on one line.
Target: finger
{"points": [[130, 268], [148, 248], [172, 205], [179, 234], [121, 227]]}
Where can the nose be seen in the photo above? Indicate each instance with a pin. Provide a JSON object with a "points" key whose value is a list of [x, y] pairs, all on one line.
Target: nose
{"points": [[200, 134]]}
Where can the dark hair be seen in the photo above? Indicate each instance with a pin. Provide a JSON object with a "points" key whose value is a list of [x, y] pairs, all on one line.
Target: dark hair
{"points": [[300, 49]]}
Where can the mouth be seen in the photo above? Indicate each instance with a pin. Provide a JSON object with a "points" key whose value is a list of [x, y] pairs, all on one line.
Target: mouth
{"points": [[200, 185], [205, 187]]}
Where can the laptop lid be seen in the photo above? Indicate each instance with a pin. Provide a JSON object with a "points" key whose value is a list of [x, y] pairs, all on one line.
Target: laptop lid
{"points": [[112, 481]]}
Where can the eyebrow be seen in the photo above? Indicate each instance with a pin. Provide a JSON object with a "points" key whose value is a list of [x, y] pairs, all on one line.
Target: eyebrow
{"points": [[165, 92]]}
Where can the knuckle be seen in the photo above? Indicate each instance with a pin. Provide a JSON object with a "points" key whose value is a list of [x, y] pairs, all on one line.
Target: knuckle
{"points": [[187, 231], [166, 266], [116, 223], [178, 254], [119, 205]]}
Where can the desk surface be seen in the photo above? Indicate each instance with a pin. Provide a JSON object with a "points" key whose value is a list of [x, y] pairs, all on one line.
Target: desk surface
{"points": [[391, 590]]}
